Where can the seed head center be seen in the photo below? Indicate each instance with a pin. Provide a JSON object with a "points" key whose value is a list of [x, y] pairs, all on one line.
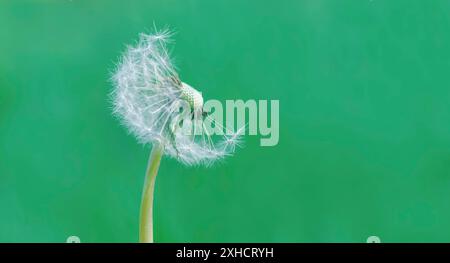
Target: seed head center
{"points": [[192, 96]]}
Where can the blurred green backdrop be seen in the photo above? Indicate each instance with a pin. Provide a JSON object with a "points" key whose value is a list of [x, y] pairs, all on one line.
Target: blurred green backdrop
{"points": [[364, 121]]}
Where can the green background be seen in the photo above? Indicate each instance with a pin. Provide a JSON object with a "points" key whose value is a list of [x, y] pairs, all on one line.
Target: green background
{"points": [[364, 121]]}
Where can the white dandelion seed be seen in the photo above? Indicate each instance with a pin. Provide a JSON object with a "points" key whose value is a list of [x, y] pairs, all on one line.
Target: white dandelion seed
{"points": [[147, 97]]}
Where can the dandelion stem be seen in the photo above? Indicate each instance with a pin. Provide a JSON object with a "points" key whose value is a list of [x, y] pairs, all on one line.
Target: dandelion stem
{"points": [[146, 217]]}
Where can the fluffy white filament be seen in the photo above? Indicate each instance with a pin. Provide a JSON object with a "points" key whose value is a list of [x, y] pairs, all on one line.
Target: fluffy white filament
{"points": [[147, 95]]}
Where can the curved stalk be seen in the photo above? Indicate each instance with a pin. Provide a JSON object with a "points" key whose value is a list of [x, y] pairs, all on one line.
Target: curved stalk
{"points": [[146, 214]]}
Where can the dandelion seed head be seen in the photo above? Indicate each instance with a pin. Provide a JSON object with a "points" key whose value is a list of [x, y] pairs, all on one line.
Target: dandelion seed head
{"points": [[147, 96]]}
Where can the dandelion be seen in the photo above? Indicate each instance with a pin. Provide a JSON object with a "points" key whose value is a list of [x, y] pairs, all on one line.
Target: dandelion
{"points": [[159, 109]]}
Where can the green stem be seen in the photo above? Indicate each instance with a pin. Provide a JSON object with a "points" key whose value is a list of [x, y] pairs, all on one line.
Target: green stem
{"points": [[146, 217]]}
